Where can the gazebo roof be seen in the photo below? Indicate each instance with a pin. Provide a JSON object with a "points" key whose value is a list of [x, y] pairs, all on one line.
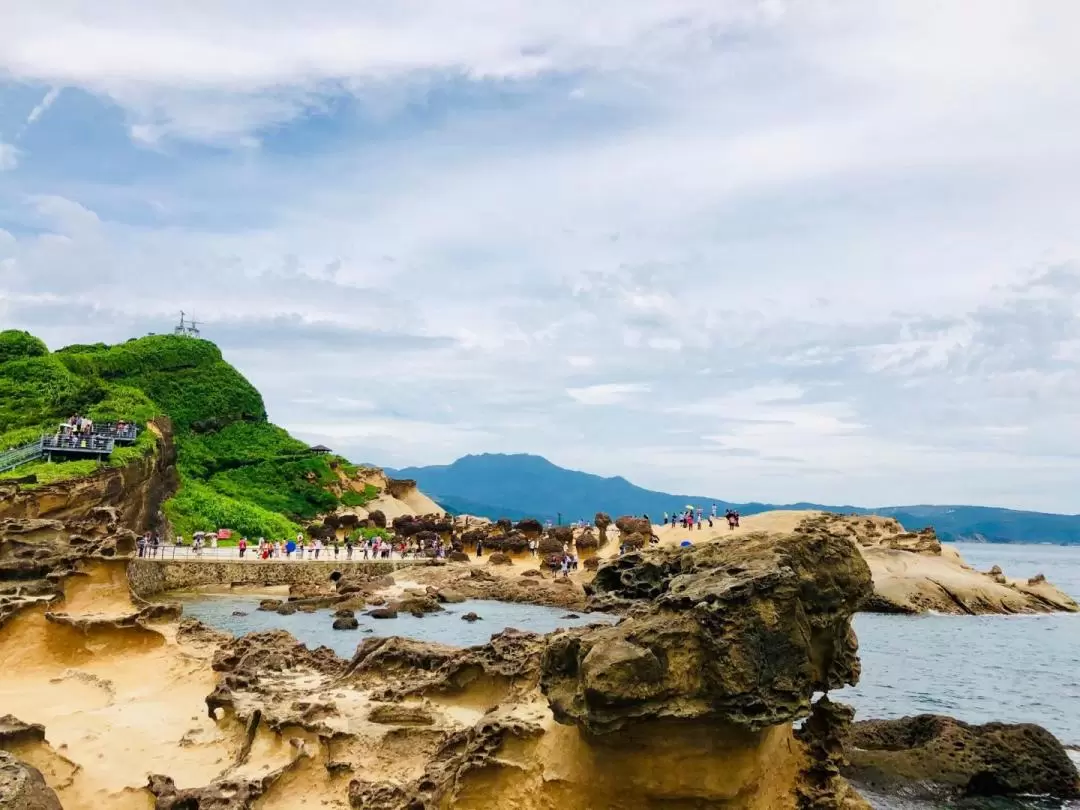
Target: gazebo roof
{"points": [[320, 448]]}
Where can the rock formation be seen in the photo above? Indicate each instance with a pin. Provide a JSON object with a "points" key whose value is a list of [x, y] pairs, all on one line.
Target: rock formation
{"points": [[913, 572], [689, 701], [22, 787], [942, 758]]}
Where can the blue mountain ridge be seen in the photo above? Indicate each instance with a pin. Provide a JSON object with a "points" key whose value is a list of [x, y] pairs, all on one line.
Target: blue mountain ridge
{"points": [[521, 485]]}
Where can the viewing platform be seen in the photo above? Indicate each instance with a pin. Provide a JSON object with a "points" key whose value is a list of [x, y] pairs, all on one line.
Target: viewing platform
{"points": [[68, 444]]}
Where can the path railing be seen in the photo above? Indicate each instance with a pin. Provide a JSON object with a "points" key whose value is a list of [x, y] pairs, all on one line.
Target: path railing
{"points": [[16, 456], [101, 443], [232, 554]]}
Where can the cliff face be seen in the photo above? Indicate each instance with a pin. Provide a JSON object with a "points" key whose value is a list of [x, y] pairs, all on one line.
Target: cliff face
{"points": [[52, 532]]}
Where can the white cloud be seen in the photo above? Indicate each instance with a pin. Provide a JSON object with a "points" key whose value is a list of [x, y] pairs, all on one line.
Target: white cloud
{"points": [[43, 105], [804, 232], [9, 157], [606, 393]]}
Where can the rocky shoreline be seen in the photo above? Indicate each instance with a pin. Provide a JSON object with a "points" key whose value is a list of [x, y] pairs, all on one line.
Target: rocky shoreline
{"points": [[690, 700]]}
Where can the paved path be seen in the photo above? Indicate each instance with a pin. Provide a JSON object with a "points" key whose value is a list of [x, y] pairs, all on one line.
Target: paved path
{"points": [[169, 553]]}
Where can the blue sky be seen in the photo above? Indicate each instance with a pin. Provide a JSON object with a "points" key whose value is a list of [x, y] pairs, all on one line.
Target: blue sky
{"points": [[823, 250]]}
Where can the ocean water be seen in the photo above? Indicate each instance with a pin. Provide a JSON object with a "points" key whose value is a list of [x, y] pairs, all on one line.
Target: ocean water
{"points": [[446, 627], [979, 668], [1016, 669], [975, 668]]}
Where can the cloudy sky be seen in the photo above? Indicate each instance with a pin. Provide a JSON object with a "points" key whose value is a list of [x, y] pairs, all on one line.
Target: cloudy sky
{"points": [[775, 250]]}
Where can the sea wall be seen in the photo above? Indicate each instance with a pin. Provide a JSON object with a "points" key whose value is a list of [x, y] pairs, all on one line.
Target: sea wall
{"points": [[149, 577]]}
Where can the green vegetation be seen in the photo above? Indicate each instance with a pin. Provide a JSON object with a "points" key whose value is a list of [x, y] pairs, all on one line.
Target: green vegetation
{"points": [[367, 534], [237, 470], [351, 498]]}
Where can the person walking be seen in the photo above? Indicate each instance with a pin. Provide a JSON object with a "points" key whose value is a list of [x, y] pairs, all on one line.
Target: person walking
{"points": [[242, 546], [318, 547]]}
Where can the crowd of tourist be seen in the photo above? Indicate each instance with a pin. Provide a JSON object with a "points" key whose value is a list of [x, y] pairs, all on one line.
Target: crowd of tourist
{"points": [[303, 548], [691, 517]]}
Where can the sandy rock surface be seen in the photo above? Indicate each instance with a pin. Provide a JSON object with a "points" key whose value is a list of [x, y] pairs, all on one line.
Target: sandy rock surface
{"points": [[913, 572]]}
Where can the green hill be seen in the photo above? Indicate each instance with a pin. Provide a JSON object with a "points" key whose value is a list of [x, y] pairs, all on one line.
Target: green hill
{"points": [[236, 468]]}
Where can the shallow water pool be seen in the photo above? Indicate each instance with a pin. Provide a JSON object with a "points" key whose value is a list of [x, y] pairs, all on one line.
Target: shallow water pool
{"points": [[445, 627]]}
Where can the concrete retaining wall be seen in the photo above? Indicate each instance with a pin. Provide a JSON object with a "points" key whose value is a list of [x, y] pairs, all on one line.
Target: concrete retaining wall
{"points": [[149, 577]]}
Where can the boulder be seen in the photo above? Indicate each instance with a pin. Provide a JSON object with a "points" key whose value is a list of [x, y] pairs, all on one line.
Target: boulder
{"points": [[533, 572], [383, 613], [470, 617], [378, 517], [591, 564], [14, 731], [449, 596], [22, 787], [270, 604], [416, 604], [286, 609], [458, 556], [346, 623], [498, 558], [941, 758], [343, 613]]}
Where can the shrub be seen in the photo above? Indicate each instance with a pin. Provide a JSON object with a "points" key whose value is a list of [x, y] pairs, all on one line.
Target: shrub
{"points": [[197, 507], [17, 345]]}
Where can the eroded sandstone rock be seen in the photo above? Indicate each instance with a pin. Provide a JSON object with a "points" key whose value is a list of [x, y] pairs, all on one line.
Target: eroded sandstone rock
{"points": [[22, 787], [939, 757], [708, 630]]}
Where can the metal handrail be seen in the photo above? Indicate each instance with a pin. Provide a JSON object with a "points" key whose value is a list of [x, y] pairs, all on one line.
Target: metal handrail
{"points": [[16, 456]]}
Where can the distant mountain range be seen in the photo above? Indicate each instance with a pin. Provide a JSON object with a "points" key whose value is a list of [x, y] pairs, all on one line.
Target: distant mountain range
{"points": [[516, 486]]}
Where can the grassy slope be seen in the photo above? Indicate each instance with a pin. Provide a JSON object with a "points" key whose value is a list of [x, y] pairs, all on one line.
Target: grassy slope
{"points": [[237, 470]]}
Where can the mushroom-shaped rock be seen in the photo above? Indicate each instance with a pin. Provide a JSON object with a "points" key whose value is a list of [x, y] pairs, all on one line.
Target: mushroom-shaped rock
{"points": [[628, 524], [529, 526], [601, 522], [378, 517], [498, 558], [549, 544], [704, 632], [587, 541]]}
